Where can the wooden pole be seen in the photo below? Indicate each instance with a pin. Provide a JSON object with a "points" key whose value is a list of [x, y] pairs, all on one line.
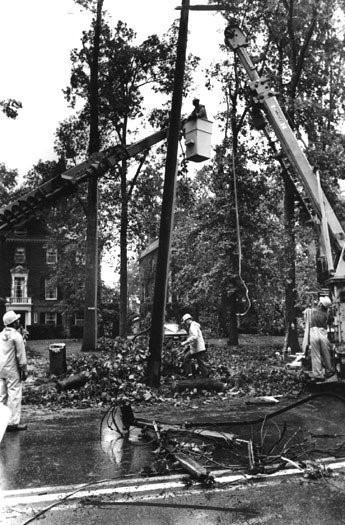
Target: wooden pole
{"points": [[91, 268], [162, 271]]}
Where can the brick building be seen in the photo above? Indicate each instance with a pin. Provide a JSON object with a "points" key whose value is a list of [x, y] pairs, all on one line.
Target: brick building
{"points": [[28, 261]]}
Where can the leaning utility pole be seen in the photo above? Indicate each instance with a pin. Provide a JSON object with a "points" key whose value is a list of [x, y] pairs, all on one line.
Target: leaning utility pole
{"points": [[91, 264], [162, 271]]}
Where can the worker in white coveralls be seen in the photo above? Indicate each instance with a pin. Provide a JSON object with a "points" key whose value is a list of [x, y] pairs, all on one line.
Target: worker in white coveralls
{"points": [[315, 336], [13, 369], [195, 346]]}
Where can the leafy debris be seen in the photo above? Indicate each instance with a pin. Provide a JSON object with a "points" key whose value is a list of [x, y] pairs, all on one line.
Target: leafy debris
{"points": [[116, 372]]}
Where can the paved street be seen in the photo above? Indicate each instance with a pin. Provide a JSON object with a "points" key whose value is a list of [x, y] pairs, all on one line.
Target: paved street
{"points": [[65, 451]]}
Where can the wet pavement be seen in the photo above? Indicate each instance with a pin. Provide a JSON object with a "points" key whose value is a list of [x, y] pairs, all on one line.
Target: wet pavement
{"points": [[65, 448], [70, 447], [286, 502]]}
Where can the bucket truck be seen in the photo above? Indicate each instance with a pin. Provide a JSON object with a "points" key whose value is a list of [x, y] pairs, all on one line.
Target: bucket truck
{"points": [[306, 183]]}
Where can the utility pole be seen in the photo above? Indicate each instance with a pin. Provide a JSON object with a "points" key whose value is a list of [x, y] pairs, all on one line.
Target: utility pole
{"points": [[91, 263], [167, 213]]}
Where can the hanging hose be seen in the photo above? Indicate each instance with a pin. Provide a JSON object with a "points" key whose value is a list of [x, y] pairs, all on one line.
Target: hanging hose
{"points": [[238, 233]]}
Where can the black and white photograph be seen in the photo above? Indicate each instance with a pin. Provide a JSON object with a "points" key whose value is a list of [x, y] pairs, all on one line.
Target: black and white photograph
{"points": [[172, 262]]}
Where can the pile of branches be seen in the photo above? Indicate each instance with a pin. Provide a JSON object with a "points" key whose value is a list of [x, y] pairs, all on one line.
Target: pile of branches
{"points": [[117, 372]]}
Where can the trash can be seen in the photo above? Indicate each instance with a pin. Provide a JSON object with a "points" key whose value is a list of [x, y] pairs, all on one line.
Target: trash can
{"points": [[57, 359]]}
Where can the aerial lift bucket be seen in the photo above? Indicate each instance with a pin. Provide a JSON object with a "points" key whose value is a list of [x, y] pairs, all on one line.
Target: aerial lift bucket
{"points": [[198, 139]]}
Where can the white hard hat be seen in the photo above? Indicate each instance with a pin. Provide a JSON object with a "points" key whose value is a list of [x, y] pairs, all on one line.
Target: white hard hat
{"points": [[185, 317], [325, 301], [9, 317]]}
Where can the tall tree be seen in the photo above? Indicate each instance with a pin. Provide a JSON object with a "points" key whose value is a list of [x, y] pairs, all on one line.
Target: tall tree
{"points": [[206, 253], [8, 182], [92, 256], [125, 70], [294, 40]]}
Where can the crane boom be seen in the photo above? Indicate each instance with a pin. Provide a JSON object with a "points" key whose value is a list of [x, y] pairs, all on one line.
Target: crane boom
{"points": [[263, 94], [296, 166]]}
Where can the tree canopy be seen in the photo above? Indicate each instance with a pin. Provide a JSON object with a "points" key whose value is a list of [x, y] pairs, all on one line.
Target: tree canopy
{"points": [[230, 224]]}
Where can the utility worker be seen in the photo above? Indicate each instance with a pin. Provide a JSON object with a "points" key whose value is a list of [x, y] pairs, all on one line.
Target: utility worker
{"points": [[317, 319], [199, 110], [196, 344], [24, 332], [13, 369]]}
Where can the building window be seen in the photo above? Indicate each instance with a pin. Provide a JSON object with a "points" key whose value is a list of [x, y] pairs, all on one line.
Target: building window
{"points": [[19, 288], [50, 318], [35, 318], [51, 256], [19, 255], [50, 291], [79, 320], [20, 232]]}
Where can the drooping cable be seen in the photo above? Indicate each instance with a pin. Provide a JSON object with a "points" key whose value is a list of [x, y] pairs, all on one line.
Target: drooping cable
{"points": [[241, 422]]}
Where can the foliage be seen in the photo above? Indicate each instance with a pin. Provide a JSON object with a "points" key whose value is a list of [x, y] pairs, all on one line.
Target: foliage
{"points": [[10, 107], [117, 373], [65, 223], [126, 69], [205, 256], [8, 182], [299, 45], [42, 172], [87, 4]]}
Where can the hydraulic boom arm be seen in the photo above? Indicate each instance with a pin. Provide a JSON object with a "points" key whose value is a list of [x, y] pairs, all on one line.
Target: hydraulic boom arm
{"points": [[263, 95], [297, 168]]}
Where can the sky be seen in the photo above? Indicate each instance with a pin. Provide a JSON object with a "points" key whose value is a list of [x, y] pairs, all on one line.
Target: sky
{"points": [[35, 41], [36, 38]]}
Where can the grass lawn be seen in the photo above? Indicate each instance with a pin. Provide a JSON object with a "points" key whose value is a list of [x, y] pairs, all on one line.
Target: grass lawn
{"points": [[116, 372], [41, 347]]}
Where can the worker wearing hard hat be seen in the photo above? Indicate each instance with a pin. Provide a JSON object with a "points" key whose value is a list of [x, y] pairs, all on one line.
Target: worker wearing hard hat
{"points": [[13, 369], [199, 110], [194, 345], [317, 319]]}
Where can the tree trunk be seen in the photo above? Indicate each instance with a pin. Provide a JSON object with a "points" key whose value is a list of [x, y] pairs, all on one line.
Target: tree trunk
{"points": [[233, 330], [123, 251], [291, 336], [91, 269], [91, 272], [228, 317]]}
